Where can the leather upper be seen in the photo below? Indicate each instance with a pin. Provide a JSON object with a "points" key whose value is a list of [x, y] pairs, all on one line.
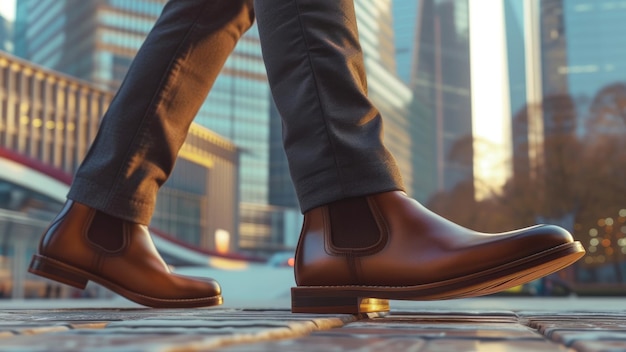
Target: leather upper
{"points": [[135, 265], [416, 247]]}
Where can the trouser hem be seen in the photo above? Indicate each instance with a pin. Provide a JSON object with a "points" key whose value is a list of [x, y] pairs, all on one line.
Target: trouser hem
{"points": [[97, 196], [324, 189]]}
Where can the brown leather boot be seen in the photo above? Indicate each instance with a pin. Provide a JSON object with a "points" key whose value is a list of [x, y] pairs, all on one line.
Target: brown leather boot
{"points": [[355, 254], [85, 244]]}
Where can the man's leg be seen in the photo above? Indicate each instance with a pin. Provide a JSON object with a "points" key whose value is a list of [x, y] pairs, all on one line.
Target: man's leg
{"points": [[101, 233], [364, 241], [333, 133], [147, 121]]}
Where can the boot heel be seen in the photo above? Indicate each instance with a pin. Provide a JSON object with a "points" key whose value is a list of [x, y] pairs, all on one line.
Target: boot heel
{"points": [[305, 300], [57, 271]]}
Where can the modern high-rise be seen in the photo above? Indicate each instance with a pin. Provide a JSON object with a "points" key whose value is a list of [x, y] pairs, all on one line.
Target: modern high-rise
{"points": [[523, 41], [47, 122], [440, 80], [572, 51], [6, 34], [408, 25], [553, 47], [595, 48], [573, 80], [19, 29], [455, 61], [405, 24], [391, 96], [91, 40], [54, 118]]}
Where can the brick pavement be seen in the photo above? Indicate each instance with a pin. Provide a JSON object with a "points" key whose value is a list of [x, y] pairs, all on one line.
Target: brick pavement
{"points": [[235, 330]]}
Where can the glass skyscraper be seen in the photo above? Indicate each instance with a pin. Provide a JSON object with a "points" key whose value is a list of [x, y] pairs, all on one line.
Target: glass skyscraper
{"points": [[525, 85], [562, 53], [6, 35], [408, 27], [440, 80], [91, 40], [596, 46], [389, 93], [405, 17], [461, 128]]}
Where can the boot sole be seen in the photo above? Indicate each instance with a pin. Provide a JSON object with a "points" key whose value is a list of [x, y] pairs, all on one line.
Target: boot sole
{"points": [[355, 299], [67, 274]]}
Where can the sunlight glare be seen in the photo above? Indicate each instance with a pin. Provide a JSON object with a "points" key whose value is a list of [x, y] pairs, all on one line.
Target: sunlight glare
{"points": [[7, 9], [491, 111]]}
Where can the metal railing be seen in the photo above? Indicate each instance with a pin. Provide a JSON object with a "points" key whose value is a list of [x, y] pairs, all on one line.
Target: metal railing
{"points": [[19, 236]]}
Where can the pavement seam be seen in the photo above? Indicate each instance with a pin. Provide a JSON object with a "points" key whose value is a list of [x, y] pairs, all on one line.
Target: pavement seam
{"points": [[42, 330], [6, 334], [530, 322], [293, 330], [91, 326], [51, 329]]}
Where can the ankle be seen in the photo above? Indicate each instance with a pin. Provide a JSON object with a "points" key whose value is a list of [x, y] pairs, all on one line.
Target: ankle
{"points": [[106, 231], [353, 224]]}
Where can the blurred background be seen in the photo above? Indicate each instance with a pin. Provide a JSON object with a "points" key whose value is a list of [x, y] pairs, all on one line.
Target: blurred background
{"points": [[500, 113]]}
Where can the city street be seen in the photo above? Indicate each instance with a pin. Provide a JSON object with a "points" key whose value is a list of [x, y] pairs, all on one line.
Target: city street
{"points": [[401, 148], [479, 324]]}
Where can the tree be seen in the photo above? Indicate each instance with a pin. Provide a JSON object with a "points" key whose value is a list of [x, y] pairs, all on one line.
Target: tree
{"points": [[580, 181]]}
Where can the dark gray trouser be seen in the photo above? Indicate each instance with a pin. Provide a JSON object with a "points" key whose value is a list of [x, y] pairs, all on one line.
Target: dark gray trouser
{"points": [[332, 133]]}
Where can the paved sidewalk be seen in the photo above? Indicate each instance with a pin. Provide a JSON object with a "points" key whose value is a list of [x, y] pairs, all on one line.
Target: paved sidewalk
{"points": [[406, 328]]}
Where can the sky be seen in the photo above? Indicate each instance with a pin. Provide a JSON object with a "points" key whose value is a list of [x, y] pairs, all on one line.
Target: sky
{"points": [[7, 9]]}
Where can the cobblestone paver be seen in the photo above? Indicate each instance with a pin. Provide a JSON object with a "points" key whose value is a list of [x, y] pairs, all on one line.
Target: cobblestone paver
{"points": [[153, 329], [240, 330], [423, 332], [582, 331]]}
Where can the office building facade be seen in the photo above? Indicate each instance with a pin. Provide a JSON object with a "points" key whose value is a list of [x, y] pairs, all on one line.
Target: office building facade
{"points": [[596, 58], [6, 35], [47, 122], [405, 25], [441, 82], [52, 118], [572, 52], [391, 96], [462, 126]]}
